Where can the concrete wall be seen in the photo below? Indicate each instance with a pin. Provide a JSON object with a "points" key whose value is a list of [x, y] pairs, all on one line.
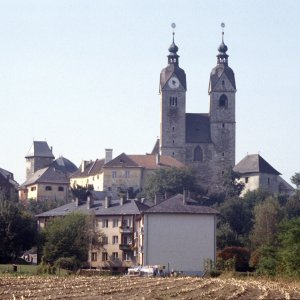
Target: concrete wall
{"points": [[179, 241]]}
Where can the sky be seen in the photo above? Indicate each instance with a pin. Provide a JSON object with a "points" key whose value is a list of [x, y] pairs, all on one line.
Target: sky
{"points": [[84, 74]]}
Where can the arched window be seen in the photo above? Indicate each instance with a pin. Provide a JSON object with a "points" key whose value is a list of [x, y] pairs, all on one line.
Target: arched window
{"points": [[223, 101], [198, 154]]}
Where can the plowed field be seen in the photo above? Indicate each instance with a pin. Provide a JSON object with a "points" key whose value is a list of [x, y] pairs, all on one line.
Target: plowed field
{"points": [[24, 287]]}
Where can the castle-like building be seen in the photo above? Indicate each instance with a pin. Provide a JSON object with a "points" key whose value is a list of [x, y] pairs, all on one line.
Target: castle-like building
{"points": [[203, 141]]}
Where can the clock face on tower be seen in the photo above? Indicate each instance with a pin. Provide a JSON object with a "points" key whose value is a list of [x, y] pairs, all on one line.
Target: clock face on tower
{"points": [[173, 83]]}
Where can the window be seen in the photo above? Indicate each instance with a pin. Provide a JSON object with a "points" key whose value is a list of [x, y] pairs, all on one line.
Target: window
{"points": [[126, 223], [223, 125], [198, 154], [115, 239], [109, 188], [115, 222], [33, 188], [105, 223], [61, 189], [104, 256], [223, 172], [127, 173], [223, 101], [94, 256], [173, 128], [173, 101], [48, 188], [115, 255], [173, 154], [114, 174], [269, 180], [127, 256], [246, 179], [223, 154], [104, 240]]}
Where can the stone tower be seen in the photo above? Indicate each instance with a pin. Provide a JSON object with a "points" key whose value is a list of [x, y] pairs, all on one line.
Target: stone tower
{"points": [[222, 91], [172, 107], [39, 156], [203, 141]]}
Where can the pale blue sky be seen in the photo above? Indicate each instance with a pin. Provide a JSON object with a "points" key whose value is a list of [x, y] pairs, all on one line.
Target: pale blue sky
{"points": [[84, 74]]}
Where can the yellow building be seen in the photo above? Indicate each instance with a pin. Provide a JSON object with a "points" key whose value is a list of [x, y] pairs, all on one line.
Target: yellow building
{"points": [[125, 173], [46, 178]]}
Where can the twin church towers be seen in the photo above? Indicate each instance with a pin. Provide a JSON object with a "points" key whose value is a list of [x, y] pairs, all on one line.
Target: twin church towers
{"points": [[203, 141]]}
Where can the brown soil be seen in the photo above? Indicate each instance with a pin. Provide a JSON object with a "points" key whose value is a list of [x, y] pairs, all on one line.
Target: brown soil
{"points": [[93, 288]]}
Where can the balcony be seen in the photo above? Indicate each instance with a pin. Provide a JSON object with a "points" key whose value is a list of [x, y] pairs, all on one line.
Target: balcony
{"points": [[126, 229], [125, 247]]}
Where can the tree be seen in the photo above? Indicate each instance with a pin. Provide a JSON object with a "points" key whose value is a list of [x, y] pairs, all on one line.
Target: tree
{"points": [[70, 237], [232, 184], [295, 179], [289, 250], [17, 230], [268, 215], [171, 180], [237, 214]]}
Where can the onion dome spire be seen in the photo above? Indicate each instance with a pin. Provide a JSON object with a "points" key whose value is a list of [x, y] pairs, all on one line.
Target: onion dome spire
{"points": [[173, 57], [222, 57]]}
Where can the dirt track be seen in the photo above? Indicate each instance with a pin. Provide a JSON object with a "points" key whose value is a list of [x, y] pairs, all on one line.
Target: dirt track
{"points": [[143, 288]]}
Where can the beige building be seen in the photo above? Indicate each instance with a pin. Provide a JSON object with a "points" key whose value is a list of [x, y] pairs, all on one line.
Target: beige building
{"points": [[46, 178], [117, 220], [256, 173], [177, 233], [125, 173]]}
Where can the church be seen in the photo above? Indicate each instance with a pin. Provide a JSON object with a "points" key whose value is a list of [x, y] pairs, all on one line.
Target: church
{"points": [[202, 141]]}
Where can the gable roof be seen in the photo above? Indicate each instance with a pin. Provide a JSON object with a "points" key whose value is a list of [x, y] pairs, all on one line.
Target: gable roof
{"points": [[155, 149], [175, 205], [47, 175], [122, 160], [91, 168], [148, 161], [9, 177], [39, 149], [254, 163], [130, 207], [197, 128]]}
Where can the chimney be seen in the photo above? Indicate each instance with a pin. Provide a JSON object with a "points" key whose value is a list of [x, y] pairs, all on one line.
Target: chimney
{"points": [[89, 202], [184, 197], [158, 158], [107, 201], [83, 165], [122, 199], [108, 155], [155, 199]]}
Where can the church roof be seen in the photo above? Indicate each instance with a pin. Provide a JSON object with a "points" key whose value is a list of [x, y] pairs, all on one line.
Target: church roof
{"points": [[167, 73], [216, 74], [197, 128], [175, 205], [254, 163], [39, 149]]}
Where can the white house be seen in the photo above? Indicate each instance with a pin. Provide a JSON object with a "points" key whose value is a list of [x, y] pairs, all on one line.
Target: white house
{"points": [[179, 234]]}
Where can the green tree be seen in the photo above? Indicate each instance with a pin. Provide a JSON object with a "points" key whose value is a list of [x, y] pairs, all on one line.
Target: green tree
{"points": [[172, 180], [232, 184], [295, 179], [237, 214], [268, 215], [289, 250], [17, 230], [70, 237]]}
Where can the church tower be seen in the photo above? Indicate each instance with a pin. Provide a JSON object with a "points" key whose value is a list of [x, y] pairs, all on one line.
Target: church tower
{"points": [[222, 91], [172, 91]]}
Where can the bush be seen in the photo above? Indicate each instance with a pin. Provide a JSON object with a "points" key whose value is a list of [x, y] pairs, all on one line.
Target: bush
{"points": [[68, 263], [235, 258]]}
